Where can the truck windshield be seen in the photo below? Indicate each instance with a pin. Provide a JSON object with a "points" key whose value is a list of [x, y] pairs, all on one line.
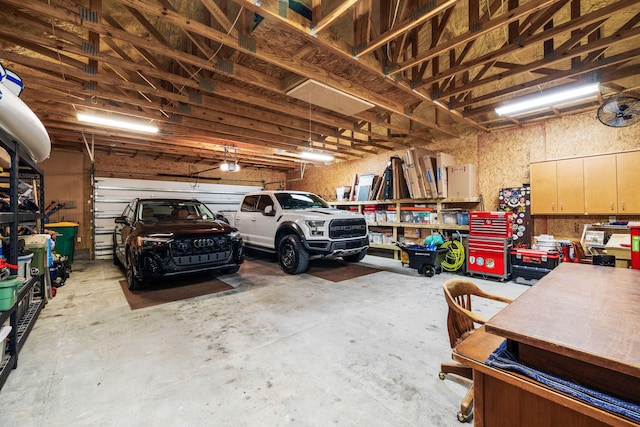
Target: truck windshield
{"points": [[300, 201]]}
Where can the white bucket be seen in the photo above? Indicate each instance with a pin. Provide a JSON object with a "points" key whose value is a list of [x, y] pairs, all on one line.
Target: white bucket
{"points": [[24, 265]]}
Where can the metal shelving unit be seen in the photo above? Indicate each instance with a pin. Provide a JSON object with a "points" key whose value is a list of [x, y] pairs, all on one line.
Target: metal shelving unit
{"points": [[21, 321]]}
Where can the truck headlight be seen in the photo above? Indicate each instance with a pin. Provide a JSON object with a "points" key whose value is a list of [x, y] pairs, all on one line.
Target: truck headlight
{"points": [[234, 235], [315, 227]]}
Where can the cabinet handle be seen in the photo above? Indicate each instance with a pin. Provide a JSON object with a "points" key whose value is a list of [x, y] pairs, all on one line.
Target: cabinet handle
{"points": [[623, 208], [612, 205], [562, 206], [553, 207]]}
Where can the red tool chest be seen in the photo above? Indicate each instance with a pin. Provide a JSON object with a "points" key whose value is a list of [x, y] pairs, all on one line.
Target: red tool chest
{"points": [[491, 224], [489, 244]]}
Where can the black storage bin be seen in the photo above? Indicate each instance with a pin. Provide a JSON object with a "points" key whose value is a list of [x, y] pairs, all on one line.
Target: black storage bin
{"points": [[527, 275]]}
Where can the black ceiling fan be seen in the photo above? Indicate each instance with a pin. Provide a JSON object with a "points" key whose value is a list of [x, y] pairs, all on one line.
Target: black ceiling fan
{"points": [[620, 111]]}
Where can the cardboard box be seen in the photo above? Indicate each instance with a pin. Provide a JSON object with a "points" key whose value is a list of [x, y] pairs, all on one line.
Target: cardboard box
{"points": [[443, 161], [463, 181]]}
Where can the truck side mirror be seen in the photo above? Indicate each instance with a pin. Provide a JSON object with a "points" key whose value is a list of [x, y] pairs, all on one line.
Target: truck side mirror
{"points": [[268, 211], [121, 220]]}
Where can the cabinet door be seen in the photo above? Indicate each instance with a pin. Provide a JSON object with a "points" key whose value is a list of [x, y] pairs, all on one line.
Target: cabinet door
{"points": [[570, 180], [544, 188], [628, 178], [600, 185]]}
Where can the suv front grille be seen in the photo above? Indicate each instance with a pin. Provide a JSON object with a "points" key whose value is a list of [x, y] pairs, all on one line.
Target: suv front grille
{"points": [[347, 228], [201, 250]]}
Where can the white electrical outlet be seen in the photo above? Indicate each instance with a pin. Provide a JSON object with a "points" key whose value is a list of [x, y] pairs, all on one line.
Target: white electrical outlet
{"points": [[79, 239]]}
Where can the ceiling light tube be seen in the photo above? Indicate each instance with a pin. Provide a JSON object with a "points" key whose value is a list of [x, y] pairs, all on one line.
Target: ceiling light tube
{"points": [[319, 157], [548, 99], [117, 123]]}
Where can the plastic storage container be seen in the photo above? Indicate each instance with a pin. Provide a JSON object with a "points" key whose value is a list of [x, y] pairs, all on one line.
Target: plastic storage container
{"points": [[9, 292], [65, 237], [40, 246], [24, 265]]}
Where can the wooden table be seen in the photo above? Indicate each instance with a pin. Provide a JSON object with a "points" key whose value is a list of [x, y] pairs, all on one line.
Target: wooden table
{"points": [[579, 321]]}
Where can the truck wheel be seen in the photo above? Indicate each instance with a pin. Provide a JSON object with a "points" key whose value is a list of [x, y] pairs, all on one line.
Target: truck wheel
{"points": [[355, 258], [132, 281], [292, 256]]}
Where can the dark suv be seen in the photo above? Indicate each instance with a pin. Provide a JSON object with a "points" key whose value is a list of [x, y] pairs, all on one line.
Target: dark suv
{"points": [[156, 238]]}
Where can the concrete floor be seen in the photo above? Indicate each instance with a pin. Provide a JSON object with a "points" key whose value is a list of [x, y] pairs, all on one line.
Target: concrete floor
{"points": [[277, 350]]}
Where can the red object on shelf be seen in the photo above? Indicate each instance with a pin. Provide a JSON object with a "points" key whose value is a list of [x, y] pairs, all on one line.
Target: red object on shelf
{"points": [[635, 247]]}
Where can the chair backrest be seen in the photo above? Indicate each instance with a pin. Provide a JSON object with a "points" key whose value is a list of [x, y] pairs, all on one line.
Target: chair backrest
{"points": [[461, 320]]}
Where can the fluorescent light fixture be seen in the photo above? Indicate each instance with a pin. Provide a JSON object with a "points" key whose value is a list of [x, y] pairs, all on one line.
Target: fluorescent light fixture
{"points": [[314, 155], [117, 123], [548, 99], [229, 167]]}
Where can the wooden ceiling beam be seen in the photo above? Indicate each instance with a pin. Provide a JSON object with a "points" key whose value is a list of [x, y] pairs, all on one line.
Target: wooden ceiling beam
{"points": [[431, 10], [332, 16], [530, 39], [494, 97], [617, 37], [496, 23]]}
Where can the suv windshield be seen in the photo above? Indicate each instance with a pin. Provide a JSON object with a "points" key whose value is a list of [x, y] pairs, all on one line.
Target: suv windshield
{"points": [[169, 210], [300, 201]]}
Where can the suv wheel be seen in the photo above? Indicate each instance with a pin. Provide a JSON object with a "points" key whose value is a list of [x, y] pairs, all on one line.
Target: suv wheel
{"points": [[116, 261], [293, 257], [133, 282], [231, 270]]}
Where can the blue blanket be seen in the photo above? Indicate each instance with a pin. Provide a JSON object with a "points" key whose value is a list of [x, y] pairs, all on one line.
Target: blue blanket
{"points": [[501, 358]]}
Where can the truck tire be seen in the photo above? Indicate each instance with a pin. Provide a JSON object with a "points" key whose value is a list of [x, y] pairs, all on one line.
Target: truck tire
{"points": [[355, 258], [292, 256]]}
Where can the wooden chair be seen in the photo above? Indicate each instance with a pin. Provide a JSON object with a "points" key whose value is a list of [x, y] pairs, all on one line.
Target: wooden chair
{"points": [[461, 322]]}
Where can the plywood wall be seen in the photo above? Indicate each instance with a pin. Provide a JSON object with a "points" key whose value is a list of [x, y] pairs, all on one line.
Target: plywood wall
{"points": [[502, 159]]}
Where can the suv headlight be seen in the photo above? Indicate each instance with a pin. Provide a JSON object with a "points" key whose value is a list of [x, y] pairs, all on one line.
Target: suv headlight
{"points": [[153, 241], [315, 227], [234, 235]]}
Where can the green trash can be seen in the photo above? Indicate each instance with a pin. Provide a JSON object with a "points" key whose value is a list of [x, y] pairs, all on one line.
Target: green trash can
{"points": [[65, 237]]}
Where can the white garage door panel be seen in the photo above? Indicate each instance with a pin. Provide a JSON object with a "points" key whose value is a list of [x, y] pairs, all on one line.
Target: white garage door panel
{"points": [[111, 196]]}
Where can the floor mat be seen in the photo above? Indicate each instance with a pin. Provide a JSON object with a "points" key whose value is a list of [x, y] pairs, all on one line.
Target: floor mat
{"points": [[174, 289], [338, 270]]}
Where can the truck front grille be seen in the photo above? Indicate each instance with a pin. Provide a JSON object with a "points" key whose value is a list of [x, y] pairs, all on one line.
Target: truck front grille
{"points": [[347, 228], [201, 250]]}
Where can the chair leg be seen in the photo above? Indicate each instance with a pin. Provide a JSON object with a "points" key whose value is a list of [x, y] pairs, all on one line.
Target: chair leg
{"points": [[456, 369], [466, 407]]}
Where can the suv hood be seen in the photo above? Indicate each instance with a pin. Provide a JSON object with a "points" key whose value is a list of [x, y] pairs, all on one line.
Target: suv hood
{"points": [[182, 228]]}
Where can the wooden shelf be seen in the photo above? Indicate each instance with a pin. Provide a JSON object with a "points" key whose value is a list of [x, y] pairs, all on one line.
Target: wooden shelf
{"points": [[397, 205]]}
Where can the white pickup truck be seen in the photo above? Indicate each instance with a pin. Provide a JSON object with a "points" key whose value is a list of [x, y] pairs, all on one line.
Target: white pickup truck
{"points": [[299, 226]]}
